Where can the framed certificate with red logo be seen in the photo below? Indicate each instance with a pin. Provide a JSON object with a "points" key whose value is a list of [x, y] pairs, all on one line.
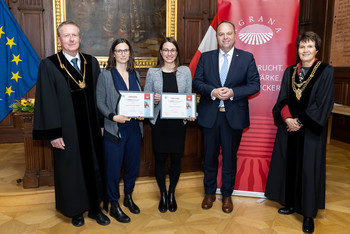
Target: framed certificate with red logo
{"points": [[178, 105], [136, 104]]}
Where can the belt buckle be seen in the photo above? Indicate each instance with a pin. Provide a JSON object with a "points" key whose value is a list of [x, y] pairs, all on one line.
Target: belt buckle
{"points": [[222, 109]]}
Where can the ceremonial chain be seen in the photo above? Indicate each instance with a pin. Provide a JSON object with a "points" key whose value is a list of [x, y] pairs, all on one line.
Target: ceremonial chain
{"points": [[79, 83], [299, 88]]}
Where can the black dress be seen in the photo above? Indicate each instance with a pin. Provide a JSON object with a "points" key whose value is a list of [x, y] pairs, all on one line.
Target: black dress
{"points": [[168, 135]]}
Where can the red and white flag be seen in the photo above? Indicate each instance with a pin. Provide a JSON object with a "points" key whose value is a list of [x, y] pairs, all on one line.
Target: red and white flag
{"points": [[208, 43]]}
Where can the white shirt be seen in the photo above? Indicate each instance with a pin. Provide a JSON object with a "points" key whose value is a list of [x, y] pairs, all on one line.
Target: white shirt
{"points": [[221, 62], [221, 58], [69, 58]]}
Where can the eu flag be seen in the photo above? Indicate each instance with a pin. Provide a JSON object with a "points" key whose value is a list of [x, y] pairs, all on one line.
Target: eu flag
{"points": [[18, 62]]}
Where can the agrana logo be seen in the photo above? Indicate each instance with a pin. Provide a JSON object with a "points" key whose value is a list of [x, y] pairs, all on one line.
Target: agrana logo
{"points": [[258, 31]]}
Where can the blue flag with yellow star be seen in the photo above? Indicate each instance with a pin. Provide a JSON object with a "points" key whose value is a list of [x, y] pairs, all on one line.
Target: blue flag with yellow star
{"points": [[18, 62]]}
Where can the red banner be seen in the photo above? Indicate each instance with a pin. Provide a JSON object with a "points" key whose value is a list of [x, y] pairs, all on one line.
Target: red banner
{"points": [[268, 29]]}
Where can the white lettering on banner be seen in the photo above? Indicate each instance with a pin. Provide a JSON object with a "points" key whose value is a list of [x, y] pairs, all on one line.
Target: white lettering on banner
{"points": [[271, 21], [269, 77], [270, 68], [270, 88]]}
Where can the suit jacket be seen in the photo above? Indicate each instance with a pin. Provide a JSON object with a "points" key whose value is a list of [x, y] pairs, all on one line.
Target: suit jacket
{"points": [[243, 78], [154, 83]]}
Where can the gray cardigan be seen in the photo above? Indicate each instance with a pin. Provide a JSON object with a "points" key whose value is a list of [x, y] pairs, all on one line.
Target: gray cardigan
{"points": [[108, 97], [154, 83]]}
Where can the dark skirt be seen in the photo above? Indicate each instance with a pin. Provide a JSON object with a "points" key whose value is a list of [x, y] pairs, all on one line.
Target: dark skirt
{"points": [[168, 136]]}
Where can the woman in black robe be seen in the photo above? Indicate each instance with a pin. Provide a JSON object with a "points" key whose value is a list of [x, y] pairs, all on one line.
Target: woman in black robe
{"points": [[297, 170]]}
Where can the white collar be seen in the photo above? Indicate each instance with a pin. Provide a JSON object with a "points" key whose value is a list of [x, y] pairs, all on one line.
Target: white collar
{"points": [[69, 57], [230, 53]]}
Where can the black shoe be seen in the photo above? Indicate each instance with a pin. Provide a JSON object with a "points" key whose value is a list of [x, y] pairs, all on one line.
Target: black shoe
{"points": [[308, 225], [117, 213], [286, 210], [172, 206], [100, 218], [78, 220], [128, 202], [162, 207]]}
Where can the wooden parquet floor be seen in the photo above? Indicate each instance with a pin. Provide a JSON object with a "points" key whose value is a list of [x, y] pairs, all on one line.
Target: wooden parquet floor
{"points": [[33, 210]]}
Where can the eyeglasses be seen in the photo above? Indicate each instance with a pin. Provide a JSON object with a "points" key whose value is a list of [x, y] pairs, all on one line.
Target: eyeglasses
{"points": [[119, 52], [172, 51]]}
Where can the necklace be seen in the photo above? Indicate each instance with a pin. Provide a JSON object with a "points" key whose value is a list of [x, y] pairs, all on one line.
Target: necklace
{"points": [[299, 88], [81, 84]]}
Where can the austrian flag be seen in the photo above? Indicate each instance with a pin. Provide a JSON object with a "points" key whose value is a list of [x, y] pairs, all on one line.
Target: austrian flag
{"points": [[208, 43]]}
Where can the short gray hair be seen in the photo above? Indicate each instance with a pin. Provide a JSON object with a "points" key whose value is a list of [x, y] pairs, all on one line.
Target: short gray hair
{"points": [[66, 23]]}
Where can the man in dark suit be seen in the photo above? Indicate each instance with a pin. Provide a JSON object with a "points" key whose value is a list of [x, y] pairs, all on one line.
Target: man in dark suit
{"points": [[224, 78]]}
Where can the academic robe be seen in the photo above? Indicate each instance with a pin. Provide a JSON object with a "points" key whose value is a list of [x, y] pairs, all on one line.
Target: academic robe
{"points": [[63, 109], [297, 169]]}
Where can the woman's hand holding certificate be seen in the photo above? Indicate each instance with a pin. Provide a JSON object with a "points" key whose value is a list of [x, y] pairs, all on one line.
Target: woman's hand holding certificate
{"points": [[136, 104], [178, 106]]}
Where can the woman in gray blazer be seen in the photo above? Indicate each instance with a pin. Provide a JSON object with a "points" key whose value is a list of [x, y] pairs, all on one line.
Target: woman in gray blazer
{"points": [[122, 135], [168, 135]]}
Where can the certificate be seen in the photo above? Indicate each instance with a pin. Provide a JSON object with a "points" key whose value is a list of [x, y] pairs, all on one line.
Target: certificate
{"points": [[136, 104], [178, 106]]}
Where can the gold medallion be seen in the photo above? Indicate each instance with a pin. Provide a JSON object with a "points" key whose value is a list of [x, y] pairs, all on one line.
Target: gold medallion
{"points": [[298, 93], [299, 88], [81, 84]]}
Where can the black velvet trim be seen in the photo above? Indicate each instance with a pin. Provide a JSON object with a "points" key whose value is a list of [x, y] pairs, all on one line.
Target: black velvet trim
{"points": [[77, 75], [110, 116], [111, 137], [50, 134], [298, 107], [310, 124]]}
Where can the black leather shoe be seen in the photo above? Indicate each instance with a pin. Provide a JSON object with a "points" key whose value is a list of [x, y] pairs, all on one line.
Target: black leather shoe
{"points": [[78, 220], [99, 217], [162, 207], [117, 213], [128, 202], [172, 206], [286, 210], [308, 225]]}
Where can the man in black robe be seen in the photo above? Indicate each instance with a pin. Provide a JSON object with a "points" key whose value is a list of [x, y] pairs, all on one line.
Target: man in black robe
{"points": [[66, 115]]}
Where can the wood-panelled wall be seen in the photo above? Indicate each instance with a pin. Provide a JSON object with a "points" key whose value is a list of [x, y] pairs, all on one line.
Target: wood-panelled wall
{"points": [[35, 17]]}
